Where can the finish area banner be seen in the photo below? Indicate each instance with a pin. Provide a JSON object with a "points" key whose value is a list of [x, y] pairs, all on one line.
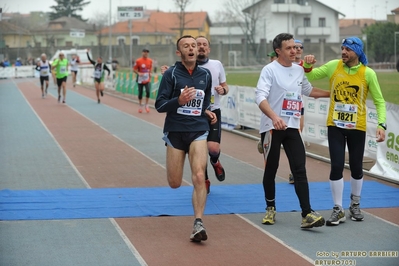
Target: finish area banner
{"points": [[239, 108]]}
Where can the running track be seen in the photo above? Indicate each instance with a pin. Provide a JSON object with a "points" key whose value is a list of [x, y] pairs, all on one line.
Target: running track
{"points": [[46, 145]]}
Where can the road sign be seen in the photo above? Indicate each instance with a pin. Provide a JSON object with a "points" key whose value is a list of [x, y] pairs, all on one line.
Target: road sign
{"points": [[130, 12], [77, 33]]}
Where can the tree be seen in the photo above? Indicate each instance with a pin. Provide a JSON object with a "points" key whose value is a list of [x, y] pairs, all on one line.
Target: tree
{"points": [[246, 13], [382, 51], [68, 8], [182, 5], [100, 21]]}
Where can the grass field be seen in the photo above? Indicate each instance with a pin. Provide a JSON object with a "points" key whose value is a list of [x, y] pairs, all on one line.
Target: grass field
{"points": [[389, 82]]}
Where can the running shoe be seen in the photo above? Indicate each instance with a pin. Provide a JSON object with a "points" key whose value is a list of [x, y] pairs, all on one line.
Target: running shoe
{"points": [[102, 93], [208, 186], [337, 216], [219, 171], [291, 179], [98, 101], [42, 96], [312, 219], [63, 101], [270, 216], [355, 213], [140, 110], [199, 232], [59, 98], [147, 109]]}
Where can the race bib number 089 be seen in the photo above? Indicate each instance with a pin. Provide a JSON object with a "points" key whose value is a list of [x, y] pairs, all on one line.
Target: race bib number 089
{"points": [[193, 107]]}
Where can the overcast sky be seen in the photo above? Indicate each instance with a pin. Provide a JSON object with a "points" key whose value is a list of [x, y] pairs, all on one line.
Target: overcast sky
{"points": [[376, 9]]}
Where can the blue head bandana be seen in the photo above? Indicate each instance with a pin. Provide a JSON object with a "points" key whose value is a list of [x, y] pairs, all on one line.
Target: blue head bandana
{"points": [[356, 45]]}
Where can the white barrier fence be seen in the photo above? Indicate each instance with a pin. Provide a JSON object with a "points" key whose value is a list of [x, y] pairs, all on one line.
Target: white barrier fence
{"points": [[85, 74], [17, 72], [239, 108]]}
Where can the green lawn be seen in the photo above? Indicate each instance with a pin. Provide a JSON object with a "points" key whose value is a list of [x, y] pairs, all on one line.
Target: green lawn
{"points": [[389, 82]]}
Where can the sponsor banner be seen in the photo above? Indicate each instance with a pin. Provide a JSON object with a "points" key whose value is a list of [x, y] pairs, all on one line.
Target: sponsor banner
{"points": [[248, 110], [24, 71], [229, 112], [387, 152], [7, 72], [241, 109], [17, 72]]}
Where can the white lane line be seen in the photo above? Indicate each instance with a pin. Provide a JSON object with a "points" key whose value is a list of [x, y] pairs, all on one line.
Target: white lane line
{"points": [[130, 246], [276, 239]]}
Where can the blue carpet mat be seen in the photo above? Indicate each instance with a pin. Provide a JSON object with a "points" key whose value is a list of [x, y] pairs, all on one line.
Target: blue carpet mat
{"points": [[158, 201]]}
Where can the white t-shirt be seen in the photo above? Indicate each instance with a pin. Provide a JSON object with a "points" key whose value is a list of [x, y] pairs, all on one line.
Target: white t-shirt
{"points": [[218, 77], [283, 88], [44, 68], [74, 65]]}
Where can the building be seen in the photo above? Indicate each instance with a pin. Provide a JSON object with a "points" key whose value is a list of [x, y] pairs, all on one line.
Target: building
{"points": [[394, 17], [158, 28], [65, 32], [309, 20]]}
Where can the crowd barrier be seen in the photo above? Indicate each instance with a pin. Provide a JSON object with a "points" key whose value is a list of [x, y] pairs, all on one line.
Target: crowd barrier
{"points": [[17, 72], [239, 108]]}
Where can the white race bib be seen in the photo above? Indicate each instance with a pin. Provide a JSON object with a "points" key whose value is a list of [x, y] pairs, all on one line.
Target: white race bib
{"points": [[144, 77], [97, 74], [345, 115], [63, 70], [193, 107], [292, 105]]}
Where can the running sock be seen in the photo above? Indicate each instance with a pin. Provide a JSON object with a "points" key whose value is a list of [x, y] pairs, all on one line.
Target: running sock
{"points": [[214, 158], [271, 203], [337, 189], [356, 186]]}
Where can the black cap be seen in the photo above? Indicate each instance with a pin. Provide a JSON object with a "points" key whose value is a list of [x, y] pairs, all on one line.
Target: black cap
{"points": [[146, 50]]}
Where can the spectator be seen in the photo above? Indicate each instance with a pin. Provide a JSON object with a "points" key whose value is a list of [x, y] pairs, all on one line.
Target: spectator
{"points": [[18, 62], [6, 62]]}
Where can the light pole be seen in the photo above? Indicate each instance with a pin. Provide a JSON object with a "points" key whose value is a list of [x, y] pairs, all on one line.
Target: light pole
{"points": [[394, 46], [110, 33]]}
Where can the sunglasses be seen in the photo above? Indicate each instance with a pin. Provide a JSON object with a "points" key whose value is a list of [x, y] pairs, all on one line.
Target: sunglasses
{"points": [[349, 41], [299, 47]]}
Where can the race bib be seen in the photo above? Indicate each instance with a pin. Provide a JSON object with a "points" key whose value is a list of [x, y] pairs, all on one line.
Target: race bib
{"points": [[63, 70], [212, 99], [43, 72], [97, 74], [193, 107], [143, 78], [345, 115], [292, 105]]}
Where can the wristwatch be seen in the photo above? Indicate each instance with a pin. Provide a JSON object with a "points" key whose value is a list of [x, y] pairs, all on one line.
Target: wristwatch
{"points": [[383, 125]]}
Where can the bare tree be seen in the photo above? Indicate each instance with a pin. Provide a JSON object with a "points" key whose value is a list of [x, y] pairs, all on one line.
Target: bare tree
{"points": [[246, 14], [100, 21], [182, 5]]}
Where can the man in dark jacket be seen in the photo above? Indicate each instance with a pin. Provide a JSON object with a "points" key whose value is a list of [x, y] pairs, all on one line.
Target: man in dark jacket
{"points": [[184, 94]]}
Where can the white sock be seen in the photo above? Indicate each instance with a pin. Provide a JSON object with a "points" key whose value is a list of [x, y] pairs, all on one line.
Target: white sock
{"points": [[337, 189], [356, 186]]}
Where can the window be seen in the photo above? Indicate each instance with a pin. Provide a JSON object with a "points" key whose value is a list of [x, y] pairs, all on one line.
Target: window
{"points": [[301, 2], [306, 22], [322, 22], [121, 40], [68, 44], [279, 1], [135, 40]]}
